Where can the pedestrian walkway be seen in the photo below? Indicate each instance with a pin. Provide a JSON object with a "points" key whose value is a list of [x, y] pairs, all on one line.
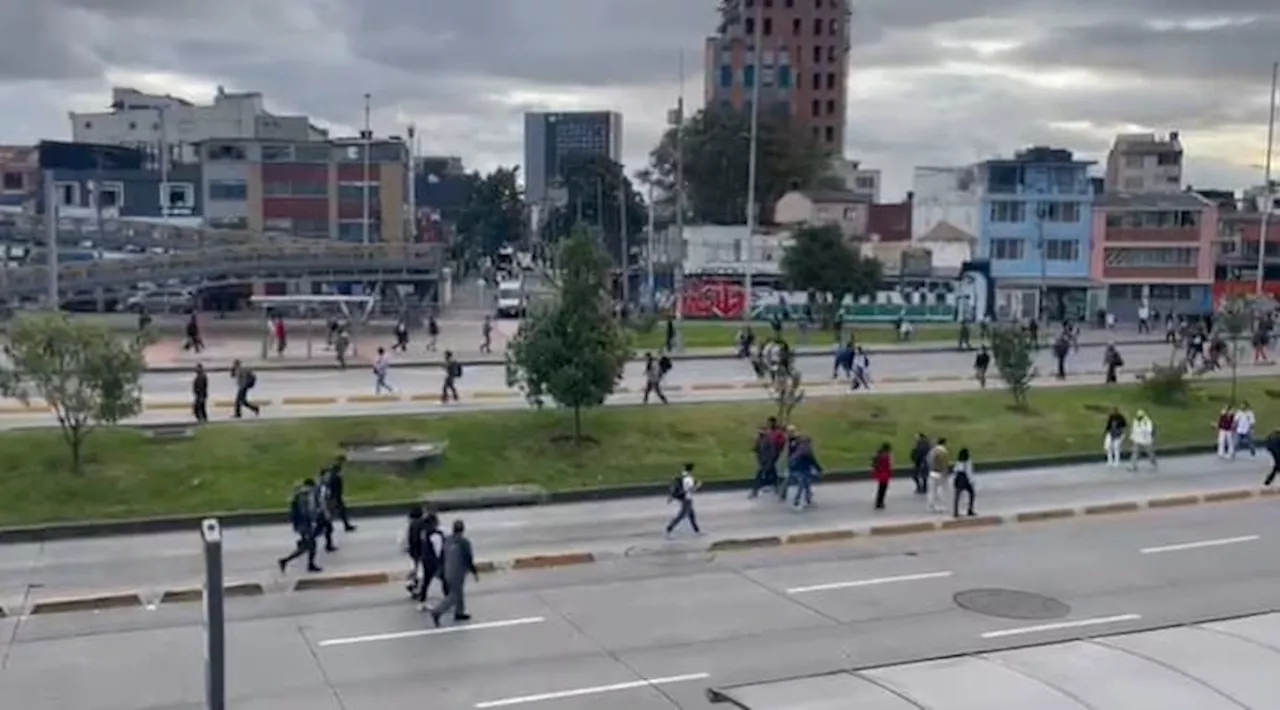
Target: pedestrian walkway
{"points": [[604, 529]]}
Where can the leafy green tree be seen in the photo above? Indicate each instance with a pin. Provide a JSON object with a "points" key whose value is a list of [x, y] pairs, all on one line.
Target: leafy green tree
{"points": [[822, 263], [1014, 353], [493, 217], [1236, 318], [85, 374], [572, 350], [716, 151], [592, 184]]}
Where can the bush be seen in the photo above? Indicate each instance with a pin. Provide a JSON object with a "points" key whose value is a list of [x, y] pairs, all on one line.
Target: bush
{"points": [[1167, 385]]}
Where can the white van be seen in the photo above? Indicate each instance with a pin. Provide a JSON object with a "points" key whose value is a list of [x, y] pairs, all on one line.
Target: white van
{"points": [[511, 299]]}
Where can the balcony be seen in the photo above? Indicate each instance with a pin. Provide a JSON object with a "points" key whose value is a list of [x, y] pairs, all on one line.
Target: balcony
{"points": [[1154, 274], [1179, 235]]}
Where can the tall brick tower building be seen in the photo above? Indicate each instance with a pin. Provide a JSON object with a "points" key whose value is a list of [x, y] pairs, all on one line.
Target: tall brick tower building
{"points": [[802, 62]]}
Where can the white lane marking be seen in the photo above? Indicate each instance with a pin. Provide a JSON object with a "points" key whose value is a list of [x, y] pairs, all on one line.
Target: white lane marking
{"points": [[432, 632], [597, 690], [1062, 625], [1200, 544], [868, 582]]}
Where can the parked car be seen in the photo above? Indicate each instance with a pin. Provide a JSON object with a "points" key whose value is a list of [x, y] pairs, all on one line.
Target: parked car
{"points": [[162, 300]]}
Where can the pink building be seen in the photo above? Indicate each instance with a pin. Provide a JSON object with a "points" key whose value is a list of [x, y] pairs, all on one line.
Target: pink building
{"points": [[1154, 249]]}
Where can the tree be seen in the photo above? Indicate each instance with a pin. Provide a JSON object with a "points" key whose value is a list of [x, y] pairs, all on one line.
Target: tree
{"points": [[717, 145], [1014, 353], [787, 392], [85, 374], [592, 184], [572, 350], [493, 217], [1235, 318], [821, 262]]}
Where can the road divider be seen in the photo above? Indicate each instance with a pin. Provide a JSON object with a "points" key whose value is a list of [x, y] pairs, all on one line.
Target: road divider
{"points": [[100, 602], [932, 524]]}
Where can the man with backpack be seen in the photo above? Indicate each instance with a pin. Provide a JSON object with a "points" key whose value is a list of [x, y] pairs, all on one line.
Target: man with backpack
{"points": [[335, 484], [430, 560], [682, 489], [303, 517], [654, 370], [452, 371], [245, 380]]}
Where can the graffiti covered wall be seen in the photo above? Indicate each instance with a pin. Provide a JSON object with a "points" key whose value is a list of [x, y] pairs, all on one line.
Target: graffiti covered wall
{"points": [[719, 298]]}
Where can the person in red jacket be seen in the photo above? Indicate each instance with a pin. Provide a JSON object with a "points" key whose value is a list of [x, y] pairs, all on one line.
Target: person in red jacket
{"points": [[882, 470]]}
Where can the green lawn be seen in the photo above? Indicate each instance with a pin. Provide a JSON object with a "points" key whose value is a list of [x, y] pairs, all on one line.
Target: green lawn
{"points": [[253, 465], [701, 334]]}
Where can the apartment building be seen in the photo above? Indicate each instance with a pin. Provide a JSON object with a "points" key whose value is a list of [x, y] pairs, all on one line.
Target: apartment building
{"points": [[19, 175], [550, 137], [1145, 162]]}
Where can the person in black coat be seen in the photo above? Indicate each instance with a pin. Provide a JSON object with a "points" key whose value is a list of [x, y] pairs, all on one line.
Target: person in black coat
{"points": [[335, 484], [1273, 448], [200, 395]]}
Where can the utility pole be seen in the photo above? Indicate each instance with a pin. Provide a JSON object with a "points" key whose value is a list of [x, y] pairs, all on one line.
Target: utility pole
{"points": [[752, 157], [624, 238], [652, 297], [163, 149], [367, 135], [678, 279], [413, 184], [51, 233], [1269, 193], [215, 654], [1041, 309]]}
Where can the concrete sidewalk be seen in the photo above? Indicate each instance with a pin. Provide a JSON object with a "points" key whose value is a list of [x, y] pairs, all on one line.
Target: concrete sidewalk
{"points": [[560, 534]]}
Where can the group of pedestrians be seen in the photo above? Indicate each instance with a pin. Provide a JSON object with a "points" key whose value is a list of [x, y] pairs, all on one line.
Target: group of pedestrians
{"points": [[936, 473], [785, 460], [434, 556], [314, 506]]}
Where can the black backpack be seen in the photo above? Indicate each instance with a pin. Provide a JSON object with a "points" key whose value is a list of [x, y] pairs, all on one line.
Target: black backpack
{"points": [[250, 379], [677, 491], [664, 364]]}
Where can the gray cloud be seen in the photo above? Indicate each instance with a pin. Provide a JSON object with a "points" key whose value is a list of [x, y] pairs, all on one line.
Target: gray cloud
{"points": [[464, 71]]}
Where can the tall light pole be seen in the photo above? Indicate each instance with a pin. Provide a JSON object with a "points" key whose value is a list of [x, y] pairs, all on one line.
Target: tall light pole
{"points": [[163, 149], [1268, 191], [367, 135], [676, 118], [752, 158], [624, 238]]}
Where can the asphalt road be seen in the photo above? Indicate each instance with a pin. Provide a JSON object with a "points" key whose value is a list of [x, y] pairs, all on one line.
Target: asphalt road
{"points": [[655, 633], [816, 369]]}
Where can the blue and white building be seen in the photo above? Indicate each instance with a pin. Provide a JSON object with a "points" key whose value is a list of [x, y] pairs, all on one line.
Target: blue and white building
{"points": [[1036, 228]]}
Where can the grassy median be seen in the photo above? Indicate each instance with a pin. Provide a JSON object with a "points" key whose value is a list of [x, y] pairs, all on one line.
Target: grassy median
{"points": [[253, 465], [702, 334]]}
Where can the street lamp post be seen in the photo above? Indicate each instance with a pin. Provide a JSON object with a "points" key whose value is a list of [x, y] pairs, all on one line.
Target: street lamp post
{"points": [[368, 139], [1268, 193], [752, 157]]}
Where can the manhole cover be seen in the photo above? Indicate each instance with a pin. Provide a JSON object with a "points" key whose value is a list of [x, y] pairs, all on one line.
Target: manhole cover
{"points": [[1011, 604]]}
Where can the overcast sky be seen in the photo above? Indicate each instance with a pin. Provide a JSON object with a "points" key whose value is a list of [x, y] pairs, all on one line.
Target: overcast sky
{"points": [[933, 82]]}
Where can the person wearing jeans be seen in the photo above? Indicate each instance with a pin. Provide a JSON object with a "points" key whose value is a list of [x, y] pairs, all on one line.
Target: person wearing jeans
{"points": [[1142, 439], [939, 463], [1245, 420], [963, 482], [682, 491], [804, 469]]}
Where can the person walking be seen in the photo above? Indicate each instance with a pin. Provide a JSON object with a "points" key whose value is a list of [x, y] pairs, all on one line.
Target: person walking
{"points": [[459, 561], [302, 517], [200, 395], [402, 337], [486, 336], [411, 546], [246, 380], [939, 464], [1142, 440], [1113, 436], [682, 490], [431, 547], [1273, 447], [193, 342], [381, 366], [452, 371], [804, 469], [1245, 421], [920, 463], [1112, 361], [882, 472], [335, 483], [1226, 434], [861, 370], [769, 444], [962, 483], [981, 364], [322, 504], [433, 333], [653, 374]]}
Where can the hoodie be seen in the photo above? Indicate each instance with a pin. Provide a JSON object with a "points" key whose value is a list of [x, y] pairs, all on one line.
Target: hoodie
{"points": [[1143, 431]]}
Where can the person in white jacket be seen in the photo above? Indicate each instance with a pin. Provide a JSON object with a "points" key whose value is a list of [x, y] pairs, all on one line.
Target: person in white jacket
{"points": [[1245, 421], [1142, 438]]}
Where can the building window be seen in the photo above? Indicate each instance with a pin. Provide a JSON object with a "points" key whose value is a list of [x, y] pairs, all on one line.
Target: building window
{"points": [[831, 107], [834, 28], [767, 30], [274, 153], [864, 182], [304, 153], [352, 230], [68, 194], [817, 55], [1133, 162], [796, 27], [228, 190], [311, 227], [177, 198], [1133, 184], [1061, 250], [1007, 249], [816, 108], [13, 182], [277, 188], [726, 76], [817, 27], [224, 151], [829, 133], [109, 195], [831, 81], [750, 25], [749, 76], [1155, 219], [833, 54], [1060, 212], [784, 77], [1008, 212], [1178, 257], [354, 192], [133, 125], [1168, 159], [817, 80], [309, 189]]}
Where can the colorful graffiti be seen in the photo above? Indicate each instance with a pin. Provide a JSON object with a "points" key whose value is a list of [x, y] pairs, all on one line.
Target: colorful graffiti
{"points": [[709, 298]]}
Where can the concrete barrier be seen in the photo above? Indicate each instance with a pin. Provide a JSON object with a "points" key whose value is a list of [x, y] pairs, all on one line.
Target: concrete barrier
{"points": [[1036, 516], [1269, 492], [746, 543], [709, 386], [234, 590], [487, 566], [166, 406], [1224, 496], [341, 581], [811, 538], [372, 399], [981, 521], [493, 394], [1173, 502], [546, 561], [425, 398], [308, 401], [1112, 508], [904, 528], [231, 403], [101, 602]]}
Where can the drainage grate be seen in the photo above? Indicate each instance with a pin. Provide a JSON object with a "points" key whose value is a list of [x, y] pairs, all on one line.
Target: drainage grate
{"points": [[1011, 604]]}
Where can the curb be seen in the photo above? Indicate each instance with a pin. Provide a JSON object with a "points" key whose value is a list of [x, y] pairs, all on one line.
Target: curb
{"points": [[802, 351], [185, 523], [553, 561]]}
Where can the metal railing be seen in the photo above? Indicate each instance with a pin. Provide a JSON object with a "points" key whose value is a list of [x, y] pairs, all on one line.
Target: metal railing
{"points": [[238, 264], [121, 234]]}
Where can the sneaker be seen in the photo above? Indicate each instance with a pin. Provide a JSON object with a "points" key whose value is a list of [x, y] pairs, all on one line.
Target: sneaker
{"points": [[313, 568], [461, 617], [435, 619]]}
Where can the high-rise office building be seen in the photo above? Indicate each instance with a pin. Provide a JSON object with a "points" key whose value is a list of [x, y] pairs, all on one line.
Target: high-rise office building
{"points": [[802, 62], [551, 137]]}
